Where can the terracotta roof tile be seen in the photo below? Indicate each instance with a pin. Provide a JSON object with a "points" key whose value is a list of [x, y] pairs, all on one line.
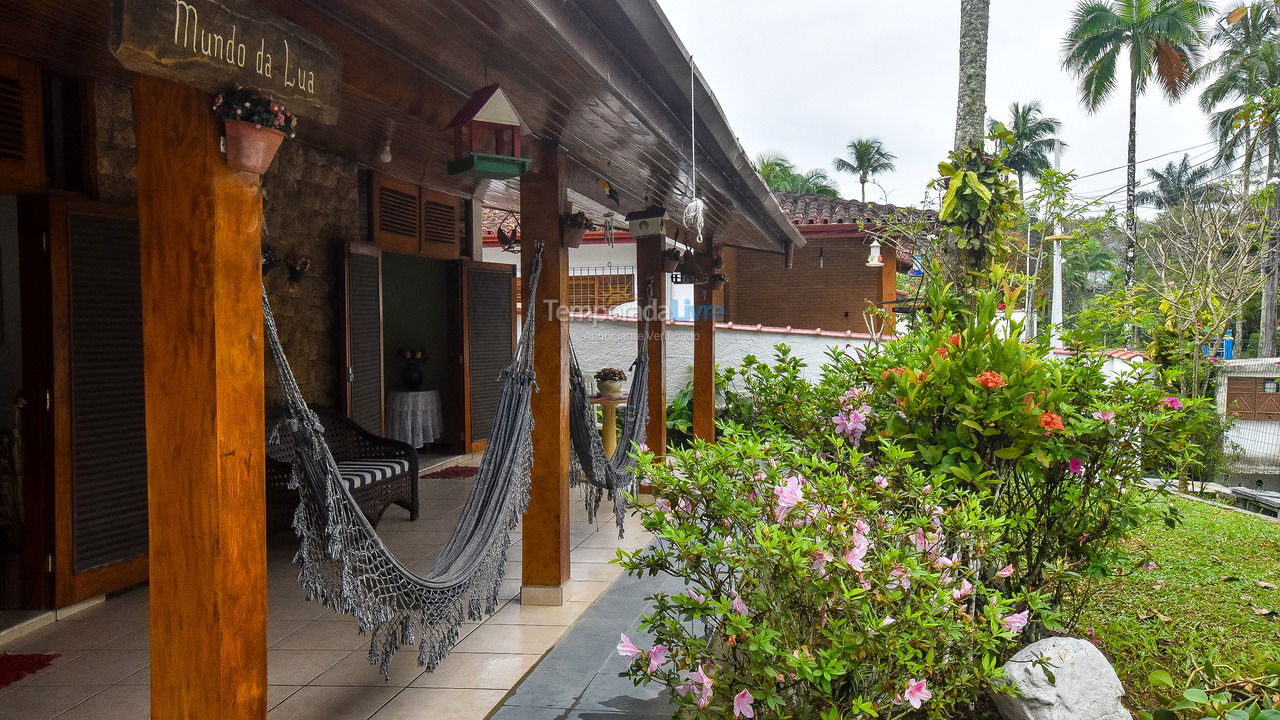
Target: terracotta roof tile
{"points": [[822, 210]]}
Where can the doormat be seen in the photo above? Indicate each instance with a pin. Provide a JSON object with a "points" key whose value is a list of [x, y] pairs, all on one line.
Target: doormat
{"points": [[454, 472], [15, 666]]}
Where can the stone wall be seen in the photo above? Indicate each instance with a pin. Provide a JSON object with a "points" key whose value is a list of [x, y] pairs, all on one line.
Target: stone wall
{"points": [[310, 209], [117, 148]]}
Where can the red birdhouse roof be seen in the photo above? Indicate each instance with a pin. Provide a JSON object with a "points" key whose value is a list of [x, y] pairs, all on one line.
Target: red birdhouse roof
{"points": [[490, 105]]}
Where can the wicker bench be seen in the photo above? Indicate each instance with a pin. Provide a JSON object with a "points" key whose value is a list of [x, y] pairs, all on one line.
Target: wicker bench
{"points": [[378, 471]]}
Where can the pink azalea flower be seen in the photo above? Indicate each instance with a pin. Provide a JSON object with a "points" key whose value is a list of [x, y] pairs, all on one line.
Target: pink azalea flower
{"points": [[919, 539], [642, 447], [742, 705], [1075, 467], [789, 494], [916, 693], [1150, 566], [962, 592], [626, 648], [887, 621], [686, 506], [1016, 622], [854, 555], [901, 578], [861, 526], [697, 597], [1106, 417], [662, 504], [820, 560], [926, 489], [1172, 403], [657, 656], [1005, 571], [738, 606]]}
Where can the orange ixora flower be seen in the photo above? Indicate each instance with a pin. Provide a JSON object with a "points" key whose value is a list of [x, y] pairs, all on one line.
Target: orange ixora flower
{"points": [[892, 371], [954, 340], [991, 380], [1051, 422], [942, 352]]}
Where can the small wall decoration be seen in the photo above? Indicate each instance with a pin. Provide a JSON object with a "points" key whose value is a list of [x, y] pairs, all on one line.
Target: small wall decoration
{"points": [[299, 266], [486, 137], [254, 125]]}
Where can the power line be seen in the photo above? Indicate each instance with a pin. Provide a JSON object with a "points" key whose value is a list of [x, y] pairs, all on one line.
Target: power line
{"points": [[1153, 157], [1089, 197]]}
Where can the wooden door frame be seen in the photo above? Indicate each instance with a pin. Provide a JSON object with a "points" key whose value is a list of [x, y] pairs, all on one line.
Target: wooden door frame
{"points": [[359, 247], [48, 554]]}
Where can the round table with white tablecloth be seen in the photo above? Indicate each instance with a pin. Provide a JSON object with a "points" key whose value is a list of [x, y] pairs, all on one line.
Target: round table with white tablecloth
{"points": [[415, 417]]}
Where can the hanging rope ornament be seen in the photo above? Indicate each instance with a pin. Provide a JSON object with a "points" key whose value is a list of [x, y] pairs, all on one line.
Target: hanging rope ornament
{"points": [[695, 212]]}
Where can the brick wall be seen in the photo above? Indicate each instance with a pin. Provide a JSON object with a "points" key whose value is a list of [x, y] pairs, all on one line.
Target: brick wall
{"points": [[311, 212], [832, 297]]}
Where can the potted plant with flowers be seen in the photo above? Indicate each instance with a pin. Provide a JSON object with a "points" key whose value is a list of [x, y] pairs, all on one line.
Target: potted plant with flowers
{"points": [[609, 381], [671, 259], [717, 280], [575, 227], [254, 125]]}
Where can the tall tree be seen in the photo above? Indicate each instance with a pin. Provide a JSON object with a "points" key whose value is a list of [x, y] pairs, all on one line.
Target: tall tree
{"points": [[814, 182], [971, 99], [1033, 136], [1178, 183], [1163, 40], [867, 158]]}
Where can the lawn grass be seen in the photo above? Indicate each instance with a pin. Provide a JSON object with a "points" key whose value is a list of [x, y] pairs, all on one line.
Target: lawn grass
{"points": [[1198, 602]]}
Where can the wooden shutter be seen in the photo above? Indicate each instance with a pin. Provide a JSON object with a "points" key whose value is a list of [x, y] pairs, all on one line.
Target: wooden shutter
{"points": [[397, 226], [1253, 398], [490, 316], [442, 224], [21, 146], [364, 336], [108, 414]]}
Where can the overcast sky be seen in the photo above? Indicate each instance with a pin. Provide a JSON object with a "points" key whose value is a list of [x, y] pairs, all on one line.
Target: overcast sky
{"points": [[803, 77]]}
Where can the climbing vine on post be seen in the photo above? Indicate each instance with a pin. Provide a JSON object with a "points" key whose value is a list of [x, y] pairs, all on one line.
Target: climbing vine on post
{"points": [[979, 207]]}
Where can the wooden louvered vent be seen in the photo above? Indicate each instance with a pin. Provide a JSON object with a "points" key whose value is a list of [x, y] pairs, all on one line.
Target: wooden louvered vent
{"points": [[490, 307], [396, 224], [108, 418], [21, 158]]}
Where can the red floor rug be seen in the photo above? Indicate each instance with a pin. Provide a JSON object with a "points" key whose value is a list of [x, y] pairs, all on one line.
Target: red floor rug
{"points": [[454, 472], [14, 667]]}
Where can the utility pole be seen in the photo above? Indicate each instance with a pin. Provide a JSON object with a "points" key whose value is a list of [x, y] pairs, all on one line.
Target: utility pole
{"points": [[1055, 315]]}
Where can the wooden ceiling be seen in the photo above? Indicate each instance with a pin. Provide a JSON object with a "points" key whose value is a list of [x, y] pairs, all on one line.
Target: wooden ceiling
{"points": [[605, 78]]}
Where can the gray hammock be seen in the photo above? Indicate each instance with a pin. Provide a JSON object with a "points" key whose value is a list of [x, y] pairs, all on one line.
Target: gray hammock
{"points": [[342, 562], [588, 465]]}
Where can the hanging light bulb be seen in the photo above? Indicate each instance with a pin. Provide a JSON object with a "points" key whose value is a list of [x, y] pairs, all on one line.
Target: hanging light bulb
{"points": [[821, 259], [874, 259], [385, 156]]}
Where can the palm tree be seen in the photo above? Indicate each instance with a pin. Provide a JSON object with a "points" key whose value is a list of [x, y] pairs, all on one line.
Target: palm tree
{"points": [[776, 169], [867, 158], [1176, 184], [1164, 41], [1248, 64], [1033, 138], [971, 98], [814, 182]]}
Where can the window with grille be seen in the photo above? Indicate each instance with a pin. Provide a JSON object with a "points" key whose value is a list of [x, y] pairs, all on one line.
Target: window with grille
{"points": [[597, 289]]}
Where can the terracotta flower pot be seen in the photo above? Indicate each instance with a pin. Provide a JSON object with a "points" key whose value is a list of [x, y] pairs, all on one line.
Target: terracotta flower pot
{"points": [[669, 265], [573, 236], [250, 147]]}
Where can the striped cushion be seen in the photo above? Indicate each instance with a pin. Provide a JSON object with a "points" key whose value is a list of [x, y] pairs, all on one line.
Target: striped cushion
{"points": [[359, 473]]}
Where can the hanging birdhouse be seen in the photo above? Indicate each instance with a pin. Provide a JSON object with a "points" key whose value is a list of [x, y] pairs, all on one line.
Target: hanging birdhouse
{"points": [[649, 222], [486, 137]]}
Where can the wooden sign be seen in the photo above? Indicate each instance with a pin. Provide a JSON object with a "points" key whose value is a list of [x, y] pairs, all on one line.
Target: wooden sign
{"points": [[213, 44]]}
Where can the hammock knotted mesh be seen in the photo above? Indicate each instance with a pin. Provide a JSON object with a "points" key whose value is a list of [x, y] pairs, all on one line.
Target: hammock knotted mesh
{"points": [[345, 565], [588, 465]]}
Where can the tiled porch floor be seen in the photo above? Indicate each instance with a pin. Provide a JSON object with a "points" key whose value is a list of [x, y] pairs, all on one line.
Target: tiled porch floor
{"points": [[317, 663]]}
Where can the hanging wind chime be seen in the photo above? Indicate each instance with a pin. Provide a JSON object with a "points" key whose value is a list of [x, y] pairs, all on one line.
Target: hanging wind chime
{"points": [[695, 212]]}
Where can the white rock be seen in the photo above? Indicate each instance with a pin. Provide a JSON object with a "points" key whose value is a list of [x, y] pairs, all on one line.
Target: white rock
{"points": [[1085, 687]]}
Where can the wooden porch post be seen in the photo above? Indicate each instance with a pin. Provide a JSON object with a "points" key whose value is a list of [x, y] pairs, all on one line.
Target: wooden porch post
{"points": [[704, 354], [545, 553], [649, 272], [889, 284], [202, 336]]}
